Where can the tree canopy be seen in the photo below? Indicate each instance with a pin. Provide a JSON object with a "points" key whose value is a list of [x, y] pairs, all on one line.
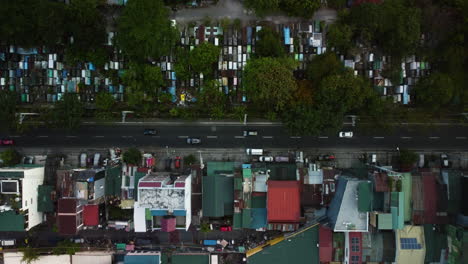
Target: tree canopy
{"points": [[435, 91], [211, 100], [67, 112], [203, 56], [339, 36], [132, 156], [104, 104], [145, 31], [300, 8], [269, 44], [269, 82], [10, 157], [144, 85]]}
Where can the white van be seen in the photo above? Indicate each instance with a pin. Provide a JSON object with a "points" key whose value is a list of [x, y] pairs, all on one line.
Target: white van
{"points": [[421, 161], [257, 152], [83, 157]]}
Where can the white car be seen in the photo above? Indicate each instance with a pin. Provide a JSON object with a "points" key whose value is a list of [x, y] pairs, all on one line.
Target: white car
{"points": [[348, 134], [265, 159]]}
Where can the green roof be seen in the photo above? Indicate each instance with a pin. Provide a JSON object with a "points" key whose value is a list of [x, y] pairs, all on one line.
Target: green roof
{"points": [[406, 183], [113, 181], [10, 221], [364, 197], [258, 201], [397, 209], [435, 242], [300, 249], [454, 191], [44, 201], [216, 168], [247, 173], [238, 183], [237, 220], [282, 172], [218, 196], [192, 259], [246, 218], [12, 174], [142, 259], [385, 221]]}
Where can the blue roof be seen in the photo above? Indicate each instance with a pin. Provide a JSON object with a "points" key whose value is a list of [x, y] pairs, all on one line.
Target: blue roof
{"points": [[172, 91], [158, 212], [142, 259], [259, 218], [287, 36], [335, 204], [179, 213]]}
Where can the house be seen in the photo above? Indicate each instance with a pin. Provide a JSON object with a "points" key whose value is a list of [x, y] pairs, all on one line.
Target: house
{"points": [[217, 189], [410, 245], [283, 205], [89, 185], [429, 199], [91, 215], [19, 187], [325, 244], [143, 257], [353, 248], [192, 258], [162, 197], [70, 215], [346, 212], [299, 248]]}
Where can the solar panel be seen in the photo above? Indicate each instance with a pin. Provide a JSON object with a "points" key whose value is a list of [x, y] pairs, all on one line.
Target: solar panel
{"points": [[410, 243]]}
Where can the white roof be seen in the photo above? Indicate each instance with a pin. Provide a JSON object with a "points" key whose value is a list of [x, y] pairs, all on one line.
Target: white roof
{"points": [[349, 218]]}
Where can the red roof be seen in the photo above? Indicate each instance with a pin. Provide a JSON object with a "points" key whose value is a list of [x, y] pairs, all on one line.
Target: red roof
{"points": [[67, 224], [179, 184], [357, 236], [91, 215], [168, 224], [430, 198], [67, 205], [381, 182], [149, 184], [283, 201], [325, 243]]}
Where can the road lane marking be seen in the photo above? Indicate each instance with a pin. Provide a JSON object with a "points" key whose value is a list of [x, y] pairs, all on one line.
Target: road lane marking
{"points": [[211, 136], [155, 136], [379, 137], [433, 137], [15, 136], [182, 136], [42, 136], [98, 136], [295, 137], [127, 136], [323, 137], [406, 137], [239, 137], [71, 136], [267, 137], [460, 137]]}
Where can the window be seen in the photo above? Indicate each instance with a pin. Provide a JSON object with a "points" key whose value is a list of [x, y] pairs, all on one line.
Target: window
{"points": [[354, 259], [355, 244], [355, 248], [355, 240]]}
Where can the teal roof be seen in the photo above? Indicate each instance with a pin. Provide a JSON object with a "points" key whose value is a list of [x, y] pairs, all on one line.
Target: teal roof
{"points": [[258, 201], [142, 259], [215, 168], [385, 222], [259, 218], [44, 201], [406, 183], [246, 218], [247, 173], [397, 209], [299, 249], [191, 259], [218, 196], [12, 174], [237, 220], [113, 181], [10, 221], [364, 197]]}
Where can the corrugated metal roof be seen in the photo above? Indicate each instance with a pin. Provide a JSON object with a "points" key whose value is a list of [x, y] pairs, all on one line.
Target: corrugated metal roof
{"points": [[91, 215], [259, 201], [406, 189], [218, 196], [430, 198], [246, 218], [364, 197], [192, 259], [44, 201], [325, 243], [66, 224], [385, 222], [216, 168], [283, 201], [381, 182], [12, 174], [259, 218], [113, 181], [142, 259], [67, 205], [10, 221]]}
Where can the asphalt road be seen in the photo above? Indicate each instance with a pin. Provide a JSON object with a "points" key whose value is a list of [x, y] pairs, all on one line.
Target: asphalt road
{"points": [[445, 137]]}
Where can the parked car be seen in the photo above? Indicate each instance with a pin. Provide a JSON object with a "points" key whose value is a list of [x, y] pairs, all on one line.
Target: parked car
{"points": [[149, 132], [444, 161], [281, 159], [97, 159], [7, 142], [347, 134], [168, 163], [248, 133], [326, 157], [177, 162], [265, 159], [83, 157], [193, 141], [225, 228]]}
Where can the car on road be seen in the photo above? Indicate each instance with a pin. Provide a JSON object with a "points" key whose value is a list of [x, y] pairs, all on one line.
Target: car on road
{"points": [[177, 162], [7, 142], [266, 159], [326, 157], [250, 133], [347, 134], [149, 132], [193, 141], [225, 228], [444, 162]]}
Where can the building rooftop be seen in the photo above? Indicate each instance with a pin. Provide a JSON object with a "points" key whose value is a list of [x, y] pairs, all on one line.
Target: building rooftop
{"points": [[191, 258], [218, 196], [283, 201], [349, 218], [410, 245]]}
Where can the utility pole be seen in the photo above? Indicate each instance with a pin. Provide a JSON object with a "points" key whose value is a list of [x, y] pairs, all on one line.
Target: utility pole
{"points": [[124, 115], [202, 166], [23, 115], [245, 119]]}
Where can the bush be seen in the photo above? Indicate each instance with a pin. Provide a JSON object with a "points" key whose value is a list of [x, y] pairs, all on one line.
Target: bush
{"points": [[29, 254], [10, 157], [132, 156], [190, 159]]}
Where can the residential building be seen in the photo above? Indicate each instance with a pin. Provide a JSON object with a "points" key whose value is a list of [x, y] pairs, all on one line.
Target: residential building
{"points": [[162, 196], [353, 247], [89, 185], [410, 245], [70, 215], [143, 257], [283, 205], [19, 187], [218, 190]]}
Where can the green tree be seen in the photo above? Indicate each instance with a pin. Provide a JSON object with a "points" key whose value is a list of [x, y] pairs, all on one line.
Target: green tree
{"points": [[339, 36], [435, 91], [262, 7], [182, 65], [203, 56], [269, 82], [269, 44], [144, 86], [10, 157], [145, 31], [29, 254], [66, 113], [407, 157], [132, 156], [8, 101], [211, 100], [300, 8], [190, 159], [104, 105], [66, 247], [322, 66]]}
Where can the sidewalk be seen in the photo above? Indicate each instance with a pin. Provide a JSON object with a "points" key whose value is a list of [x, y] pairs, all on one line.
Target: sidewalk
{"points": [[181, 122]]}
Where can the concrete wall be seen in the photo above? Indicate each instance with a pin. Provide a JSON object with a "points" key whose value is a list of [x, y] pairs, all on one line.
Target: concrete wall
{"points": [[15, 258], [32, 179]]}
